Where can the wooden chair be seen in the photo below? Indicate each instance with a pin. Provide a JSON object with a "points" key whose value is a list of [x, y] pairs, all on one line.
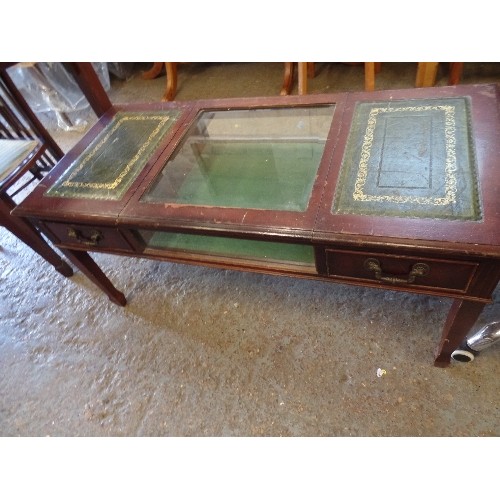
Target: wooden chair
{"points": [[17, 158], [171, 76], [171, 72], [427, 73], [306, 70], [27, 152]]}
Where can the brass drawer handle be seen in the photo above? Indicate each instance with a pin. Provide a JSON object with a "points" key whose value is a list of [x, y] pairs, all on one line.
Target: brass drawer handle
{"points": [[92, 240], [419, 269]]}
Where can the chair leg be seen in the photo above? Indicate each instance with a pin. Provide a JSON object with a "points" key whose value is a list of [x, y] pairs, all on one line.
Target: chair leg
{"points": [[369, 76], [171, 69], [456, 70], [303, 71], [311, 73], [426, 74], [23, 230], [287, 79], [155, 71]]}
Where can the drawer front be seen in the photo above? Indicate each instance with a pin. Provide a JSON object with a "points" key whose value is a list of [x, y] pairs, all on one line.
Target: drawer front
{"points": [[88, 237], [411, 272]]}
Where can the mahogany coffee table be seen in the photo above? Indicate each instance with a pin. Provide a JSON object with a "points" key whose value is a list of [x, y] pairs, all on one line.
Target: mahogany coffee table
{"points": [[392, 189]]}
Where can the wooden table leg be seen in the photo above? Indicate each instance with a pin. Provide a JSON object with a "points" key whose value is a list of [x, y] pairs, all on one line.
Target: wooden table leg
{"points": [[89, 268], [29, 235], [461, 318]]}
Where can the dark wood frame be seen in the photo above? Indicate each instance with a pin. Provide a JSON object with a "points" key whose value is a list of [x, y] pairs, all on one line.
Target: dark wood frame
{"points": [[470, 250]]}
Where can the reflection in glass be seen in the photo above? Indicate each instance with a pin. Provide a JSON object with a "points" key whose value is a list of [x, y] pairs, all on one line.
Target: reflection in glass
{"points": [[252, 158]]}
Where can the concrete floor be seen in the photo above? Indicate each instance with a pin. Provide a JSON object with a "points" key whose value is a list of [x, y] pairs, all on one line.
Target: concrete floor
{"points": [[206, 352]]}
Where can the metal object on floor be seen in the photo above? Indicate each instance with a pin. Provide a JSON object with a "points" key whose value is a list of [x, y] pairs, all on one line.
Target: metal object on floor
{"points": [[477, 342]]}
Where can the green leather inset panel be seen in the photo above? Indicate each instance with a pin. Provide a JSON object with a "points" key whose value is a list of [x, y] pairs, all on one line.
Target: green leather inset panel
{"points": [[111, 162], [410, 158]]}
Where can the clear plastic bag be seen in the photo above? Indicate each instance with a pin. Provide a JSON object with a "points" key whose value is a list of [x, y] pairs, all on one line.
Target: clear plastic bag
{"points": [[122, 70], [49, 87]]}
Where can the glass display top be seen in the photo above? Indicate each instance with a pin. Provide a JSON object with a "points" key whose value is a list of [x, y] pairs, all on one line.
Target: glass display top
{"points": [[252, 158]]}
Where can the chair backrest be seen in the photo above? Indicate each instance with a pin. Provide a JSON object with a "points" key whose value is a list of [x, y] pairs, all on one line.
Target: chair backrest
{"points": [[18, 123]]}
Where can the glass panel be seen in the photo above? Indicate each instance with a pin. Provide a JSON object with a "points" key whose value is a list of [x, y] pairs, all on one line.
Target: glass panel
{"points": [[259, 158], [230, 247], [113, 160]]}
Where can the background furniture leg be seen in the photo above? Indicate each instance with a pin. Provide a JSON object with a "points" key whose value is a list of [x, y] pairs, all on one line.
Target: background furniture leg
{"points": [[303, 72], [456, 70], [310, 70], [171, 75], [287, 79], [171, 69], [369, 76], [461, 318], [426, 74], [154, 71]]}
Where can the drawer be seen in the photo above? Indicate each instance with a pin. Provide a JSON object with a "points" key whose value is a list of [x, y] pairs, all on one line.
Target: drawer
{"points": [[88, 237], [411, 272]]}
